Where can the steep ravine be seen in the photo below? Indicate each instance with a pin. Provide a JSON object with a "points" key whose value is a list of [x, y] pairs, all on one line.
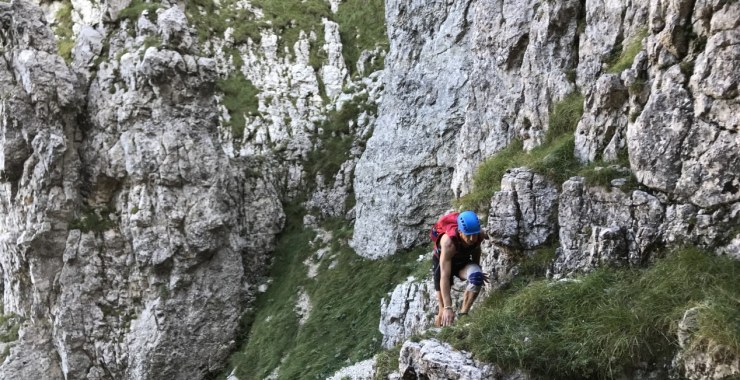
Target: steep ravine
{"points": [[153, 156]]}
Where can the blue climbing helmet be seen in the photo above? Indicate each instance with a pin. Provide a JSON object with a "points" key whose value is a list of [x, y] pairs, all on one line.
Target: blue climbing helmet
{"points": [[468, 223]]}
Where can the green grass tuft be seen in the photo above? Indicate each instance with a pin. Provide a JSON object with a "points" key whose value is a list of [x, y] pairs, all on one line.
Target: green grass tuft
{"points": [[289, 17], [136, 8], [554, 158], [240, 99], [607, 323], [536, 263], [386, 363], [487, 178], [564, 117], [361, 24], [336, 138], [361, 27], [601, 174], [10, 324], [343, 325], [622, 59], [63, 31], [152, 41], [719, 321], [95, 220], [211, 20]]}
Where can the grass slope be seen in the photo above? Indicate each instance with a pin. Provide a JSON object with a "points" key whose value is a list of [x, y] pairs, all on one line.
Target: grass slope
{"points": [[343, 324], [607, 323]]}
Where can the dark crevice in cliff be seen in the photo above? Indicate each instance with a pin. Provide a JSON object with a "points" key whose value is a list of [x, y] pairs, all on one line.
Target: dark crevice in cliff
{"points": [[516, 54], [465, 23]]}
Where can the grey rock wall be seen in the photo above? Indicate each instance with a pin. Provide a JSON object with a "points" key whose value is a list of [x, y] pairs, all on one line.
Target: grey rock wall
{"points": [[685, 142], [402, 179], [409, 310], [431, 359], [523, 213], [131, 243], [671, 112], [511, 61], [605, 226]]}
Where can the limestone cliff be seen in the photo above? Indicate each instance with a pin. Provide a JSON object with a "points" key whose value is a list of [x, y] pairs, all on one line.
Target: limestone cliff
{"points": [[147, 151], [128, 235]]}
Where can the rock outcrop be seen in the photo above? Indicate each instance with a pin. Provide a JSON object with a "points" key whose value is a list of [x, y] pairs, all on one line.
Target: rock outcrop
{"points": [[431, 359], [523, 213], [410, 154], [363, 370], [130, 242], [703, 359], [410, 309], [675, 126]]}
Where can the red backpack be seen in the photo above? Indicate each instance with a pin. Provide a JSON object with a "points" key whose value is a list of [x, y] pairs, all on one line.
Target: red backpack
{"points": [[447, 224]]}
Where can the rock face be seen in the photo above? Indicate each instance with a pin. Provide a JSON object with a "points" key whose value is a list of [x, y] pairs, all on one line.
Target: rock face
{"points": [[600, 226], [601, 132], [706, 360], [695, 155], [135, 223], [410, 153], [505, 95], [670, 112], [431, 359], [523, 213], [410, 309], [610, 227], [363, 370], [130, 240], [450, 102]]}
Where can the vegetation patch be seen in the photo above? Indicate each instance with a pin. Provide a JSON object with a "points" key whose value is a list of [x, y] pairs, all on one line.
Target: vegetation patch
{"points": [[538, 262], [136, 8], [212, 20], [361, 27], [554, 158], [361, 24], [240, 99], [151, 41], [9, 326], [93, 220], [602, 174], [63, 31], [345, 298], [336, 138], [386, 363], [607, 323], [719, 322], [289, 17], [624, 55]]}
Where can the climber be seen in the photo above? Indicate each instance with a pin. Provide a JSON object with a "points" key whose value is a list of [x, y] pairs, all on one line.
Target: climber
{"points": [[457, 238]]}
